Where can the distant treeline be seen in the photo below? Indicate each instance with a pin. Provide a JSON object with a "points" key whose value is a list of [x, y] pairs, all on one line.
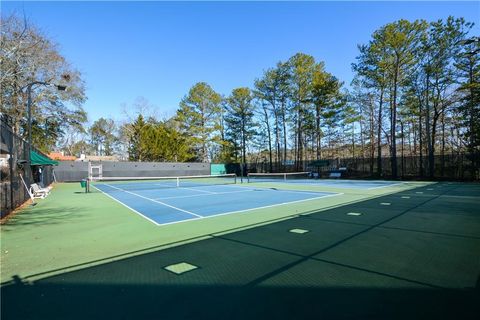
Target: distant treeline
{"points": [[415, 91]]}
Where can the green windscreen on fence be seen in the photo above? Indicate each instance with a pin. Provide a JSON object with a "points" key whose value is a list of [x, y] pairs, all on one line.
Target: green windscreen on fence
{"points": [[38, 159], [217, 168]]}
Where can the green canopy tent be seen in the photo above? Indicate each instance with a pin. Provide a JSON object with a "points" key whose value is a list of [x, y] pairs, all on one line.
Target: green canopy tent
{"points": [[37, 159]]}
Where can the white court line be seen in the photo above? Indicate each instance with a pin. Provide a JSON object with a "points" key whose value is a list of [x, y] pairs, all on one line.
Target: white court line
{"points": [[275, 189], [450, 196], [242, 191], [303, 192], [197, 190], [240, 186], [153, 221], [246, 189], [264, 207], [203, 195], [153, 200], [282, 190], [390, 185], [341, 184]]}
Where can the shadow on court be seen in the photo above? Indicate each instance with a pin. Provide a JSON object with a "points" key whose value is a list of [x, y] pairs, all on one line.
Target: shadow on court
{"points": [[106, 301], [43, 216], [403, 260]]}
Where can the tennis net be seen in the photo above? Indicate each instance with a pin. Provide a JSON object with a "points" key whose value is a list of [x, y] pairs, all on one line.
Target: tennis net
{"points": [[277, 177], [151, 183]]}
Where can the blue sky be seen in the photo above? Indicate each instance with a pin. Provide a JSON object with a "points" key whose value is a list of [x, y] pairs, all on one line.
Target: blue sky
{"points": [[158, 50]]}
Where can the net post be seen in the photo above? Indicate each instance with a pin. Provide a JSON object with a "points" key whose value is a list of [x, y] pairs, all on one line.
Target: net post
{"points": [[89, 169]]}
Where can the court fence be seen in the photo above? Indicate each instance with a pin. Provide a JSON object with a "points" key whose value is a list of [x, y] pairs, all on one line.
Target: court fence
{"points": [[74, 171], [454, 166], [13, 159]]}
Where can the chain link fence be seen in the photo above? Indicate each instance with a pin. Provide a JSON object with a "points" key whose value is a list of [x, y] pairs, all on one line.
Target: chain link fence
{"points": [[454, 166], [13, 166]]}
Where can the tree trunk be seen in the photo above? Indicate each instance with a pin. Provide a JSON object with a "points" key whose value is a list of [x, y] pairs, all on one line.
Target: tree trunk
{"points": [[427, 127], [431, 151], [442, 169], [269, 137], [372, 137], [317, 133], [403, 146], [284, 122], [277, 133], [353, 140], [473, 154], [379, 135], [244, 147], [362, 138], [393, 123], [299, 139], [420, 137]]}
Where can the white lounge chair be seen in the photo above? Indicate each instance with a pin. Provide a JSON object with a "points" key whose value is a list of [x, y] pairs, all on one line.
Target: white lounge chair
{"points": [[38, 192]]}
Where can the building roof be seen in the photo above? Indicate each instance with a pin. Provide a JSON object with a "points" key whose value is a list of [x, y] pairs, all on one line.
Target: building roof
{"points": [[59, 156]]}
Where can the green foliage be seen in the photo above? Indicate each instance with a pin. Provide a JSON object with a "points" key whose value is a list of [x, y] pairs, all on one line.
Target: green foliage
{"points": [[410, 65], [415, 78], [103, 136], [199, 118], [136, 147], [468, 66], [327, 97], [239, 119], [156, 141], [27, 56], [273, 90], [301, 68]]}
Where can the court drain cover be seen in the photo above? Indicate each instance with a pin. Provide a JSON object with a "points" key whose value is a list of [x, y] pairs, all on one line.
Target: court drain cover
{"points": [[299, 231], [180, 268], [354, 214]]}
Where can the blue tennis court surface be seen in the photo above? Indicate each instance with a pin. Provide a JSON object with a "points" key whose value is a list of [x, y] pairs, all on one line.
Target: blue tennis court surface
{"points": [[170, 205], [340, 183]]}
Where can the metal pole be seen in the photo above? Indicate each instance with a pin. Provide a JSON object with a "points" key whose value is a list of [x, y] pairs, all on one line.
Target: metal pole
{"points": [[241, 171], [29, 124], [29, 136]]}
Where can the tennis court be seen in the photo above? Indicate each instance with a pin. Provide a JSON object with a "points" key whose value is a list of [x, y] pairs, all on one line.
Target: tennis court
{"points": [[171, 200], [400, 252], [303, 178], [209, 160]]}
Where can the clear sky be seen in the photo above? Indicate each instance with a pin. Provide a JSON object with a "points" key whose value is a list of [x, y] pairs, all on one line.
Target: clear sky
{"points": [[158, 50]]}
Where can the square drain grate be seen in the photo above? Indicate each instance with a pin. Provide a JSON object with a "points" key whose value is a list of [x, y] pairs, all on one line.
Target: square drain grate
{"points": [[354, 214], [180, 268], [299, 231]]}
